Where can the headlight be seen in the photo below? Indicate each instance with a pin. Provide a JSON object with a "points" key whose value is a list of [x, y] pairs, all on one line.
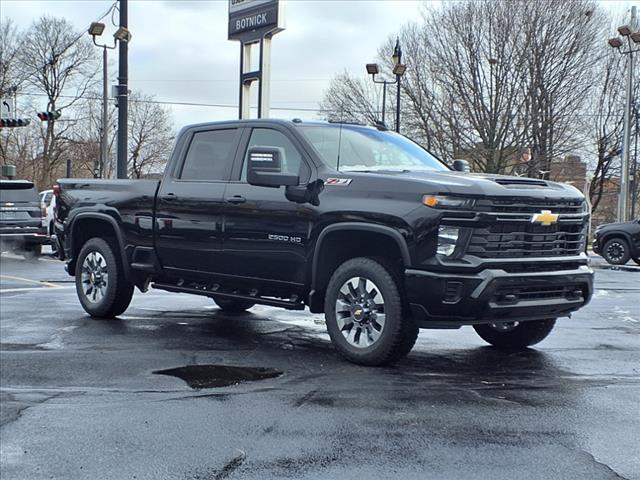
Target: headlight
{"points": [[447, 240], [447, 202]]}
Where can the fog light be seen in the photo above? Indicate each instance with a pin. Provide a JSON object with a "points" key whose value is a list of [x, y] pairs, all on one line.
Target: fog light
{"points": [[447, 240]]}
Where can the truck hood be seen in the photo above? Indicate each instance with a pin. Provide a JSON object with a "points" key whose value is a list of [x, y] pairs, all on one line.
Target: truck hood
{"points": [[475, 184]]}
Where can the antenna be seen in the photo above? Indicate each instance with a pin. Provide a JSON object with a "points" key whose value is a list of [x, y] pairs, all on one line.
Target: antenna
{"points": [[340, 138]]}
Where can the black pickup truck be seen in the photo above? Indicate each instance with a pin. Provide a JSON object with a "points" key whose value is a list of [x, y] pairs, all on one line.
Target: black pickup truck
{"points": [[355, 222]]}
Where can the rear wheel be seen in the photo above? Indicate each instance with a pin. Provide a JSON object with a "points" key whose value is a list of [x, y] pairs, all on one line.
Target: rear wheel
{"points": [[364, 314], [616, 251], [101, 285], [232, 306], [515, 335]]}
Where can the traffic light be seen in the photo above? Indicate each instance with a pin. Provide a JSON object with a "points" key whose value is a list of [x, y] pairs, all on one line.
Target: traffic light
{"points": [[49, 116], [14, 122]]}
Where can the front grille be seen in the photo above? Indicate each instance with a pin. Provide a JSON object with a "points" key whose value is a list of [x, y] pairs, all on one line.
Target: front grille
{"points": [[527, 205], [508, 295], [520, 239]]}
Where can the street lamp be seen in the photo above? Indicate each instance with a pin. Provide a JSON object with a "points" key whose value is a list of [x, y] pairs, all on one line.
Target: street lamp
{"points": [[627, 31], [398, 71], [95, 30]]}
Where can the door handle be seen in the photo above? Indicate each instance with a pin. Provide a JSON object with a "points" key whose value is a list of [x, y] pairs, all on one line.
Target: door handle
{"points": [[236, 199], [169, 197]]}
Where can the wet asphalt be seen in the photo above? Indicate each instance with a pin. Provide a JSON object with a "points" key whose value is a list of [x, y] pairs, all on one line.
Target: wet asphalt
{"points": [[153, 394]]}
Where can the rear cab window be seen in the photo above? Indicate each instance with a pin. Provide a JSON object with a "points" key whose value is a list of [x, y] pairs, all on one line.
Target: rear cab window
{"points": [[210, 155]]}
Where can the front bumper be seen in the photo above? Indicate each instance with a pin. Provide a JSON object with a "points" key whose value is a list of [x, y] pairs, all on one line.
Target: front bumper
{"points": [[595, 246], [439, 299]]}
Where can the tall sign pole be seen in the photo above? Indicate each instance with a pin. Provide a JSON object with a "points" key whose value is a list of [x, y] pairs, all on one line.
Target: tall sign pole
{"points": [[254, 23], [123, 94]]}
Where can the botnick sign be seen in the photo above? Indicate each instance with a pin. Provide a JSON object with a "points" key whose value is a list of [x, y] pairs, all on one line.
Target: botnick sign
{"points": [[251, 20]]}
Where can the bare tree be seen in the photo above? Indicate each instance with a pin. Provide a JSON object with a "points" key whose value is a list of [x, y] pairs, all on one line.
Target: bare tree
{"points": [[150, 135], [10, 81], [560, 38], [350, 99], [466, 95], [60, 65]]}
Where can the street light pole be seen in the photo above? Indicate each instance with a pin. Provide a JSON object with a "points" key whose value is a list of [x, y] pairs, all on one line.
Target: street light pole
{"points": [[96, 29], [398, 71], [397, 57], [104, 129], [626, 31]]}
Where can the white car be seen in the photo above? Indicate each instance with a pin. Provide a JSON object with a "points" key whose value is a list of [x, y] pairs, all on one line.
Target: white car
{"points": [[48, 204]]}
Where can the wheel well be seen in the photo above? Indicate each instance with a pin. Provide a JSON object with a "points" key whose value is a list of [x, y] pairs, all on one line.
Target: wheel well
{"points": [[339, 246], [86, 228], [613, 235]]}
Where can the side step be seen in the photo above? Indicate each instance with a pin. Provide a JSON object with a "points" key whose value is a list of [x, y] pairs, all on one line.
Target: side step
{"points": [[273, 302]]}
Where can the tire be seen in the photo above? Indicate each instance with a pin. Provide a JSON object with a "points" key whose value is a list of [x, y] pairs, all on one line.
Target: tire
{"points": [[515, 335], [616, 251], [112, 291], [636, 259], [372, 330], [32, 251], [232, 306]]}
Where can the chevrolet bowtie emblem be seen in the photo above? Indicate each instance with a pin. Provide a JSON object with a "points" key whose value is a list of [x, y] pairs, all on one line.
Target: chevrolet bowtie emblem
{"points": [[545, 217]]}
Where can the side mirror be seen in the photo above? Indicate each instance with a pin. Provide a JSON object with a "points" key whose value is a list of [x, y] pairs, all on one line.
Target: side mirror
{"points": [[264, 168], [461, 166]]}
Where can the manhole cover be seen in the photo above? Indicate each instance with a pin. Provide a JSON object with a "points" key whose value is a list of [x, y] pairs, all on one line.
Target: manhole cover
{"points": [[211, 376]]}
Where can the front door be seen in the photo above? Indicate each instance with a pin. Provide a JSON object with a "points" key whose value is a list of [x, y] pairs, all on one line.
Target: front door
{"points": [[189, 211], [266, 235]]}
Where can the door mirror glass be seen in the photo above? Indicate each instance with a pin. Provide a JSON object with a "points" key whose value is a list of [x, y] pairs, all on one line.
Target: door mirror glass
{"points": [[264, 168], [461, 166]]}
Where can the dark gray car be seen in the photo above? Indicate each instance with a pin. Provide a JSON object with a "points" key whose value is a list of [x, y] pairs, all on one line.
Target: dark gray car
{"points": [[21, 217]]}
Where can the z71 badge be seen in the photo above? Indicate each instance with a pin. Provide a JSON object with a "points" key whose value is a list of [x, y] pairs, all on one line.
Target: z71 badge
{"points": [[342, 182]]}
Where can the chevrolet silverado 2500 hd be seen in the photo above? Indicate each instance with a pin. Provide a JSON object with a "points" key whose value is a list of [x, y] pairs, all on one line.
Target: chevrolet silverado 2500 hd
{"points": [[355, 222]]}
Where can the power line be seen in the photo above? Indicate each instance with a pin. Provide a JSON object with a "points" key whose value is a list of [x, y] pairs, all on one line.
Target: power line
{"points": [[224, 105]]}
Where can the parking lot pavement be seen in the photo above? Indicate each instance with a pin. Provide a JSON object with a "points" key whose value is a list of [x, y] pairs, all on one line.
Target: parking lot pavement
{"points": [[79, 397]]}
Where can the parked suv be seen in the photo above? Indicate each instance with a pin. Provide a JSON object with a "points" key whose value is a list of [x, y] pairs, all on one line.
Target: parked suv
{"points": [[355, 222], [21, 224], [618, 242]]}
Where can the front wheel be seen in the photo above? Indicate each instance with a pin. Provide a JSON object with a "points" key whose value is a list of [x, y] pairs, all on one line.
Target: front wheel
{"points": [[616, 251], [102, 288], [515, 335], [364, 314], [636, 259]]}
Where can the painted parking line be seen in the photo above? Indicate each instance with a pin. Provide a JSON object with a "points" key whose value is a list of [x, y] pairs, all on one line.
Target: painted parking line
{"points": [[29, 289], [40, 284]]}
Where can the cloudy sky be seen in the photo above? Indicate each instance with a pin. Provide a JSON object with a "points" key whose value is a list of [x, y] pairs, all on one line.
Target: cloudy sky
{"points": [[180, 52]]}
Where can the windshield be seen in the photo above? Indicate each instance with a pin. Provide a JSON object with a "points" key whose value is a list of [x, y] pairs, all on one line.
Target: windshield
{"points": [[355, 148]]}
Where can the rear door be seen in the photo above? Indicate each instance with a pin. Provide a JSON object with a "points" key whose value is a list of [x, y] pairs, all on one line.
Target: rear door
{"points": [[189, 207], [266, 235]]}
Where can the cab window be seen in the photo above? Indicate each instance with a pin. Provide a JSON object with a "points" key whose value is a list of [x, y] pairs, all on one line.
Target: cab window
{"points": [[210, 155], [266, 137]]}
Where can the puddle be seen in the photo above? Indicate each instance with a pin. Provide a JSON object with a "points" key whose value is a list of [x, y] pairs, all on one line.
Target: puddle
{"points": [[211, 376]]}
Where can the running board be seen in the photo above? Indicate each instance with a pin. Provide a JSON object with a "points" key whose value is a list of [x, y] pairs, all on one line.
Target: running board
{"points": [[273, 302]]}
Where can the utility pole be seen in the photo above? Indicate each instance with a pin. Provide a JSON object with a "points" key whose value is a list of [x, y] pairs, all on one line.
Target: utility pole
{"points": [[123, 93], [623, 201]]}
